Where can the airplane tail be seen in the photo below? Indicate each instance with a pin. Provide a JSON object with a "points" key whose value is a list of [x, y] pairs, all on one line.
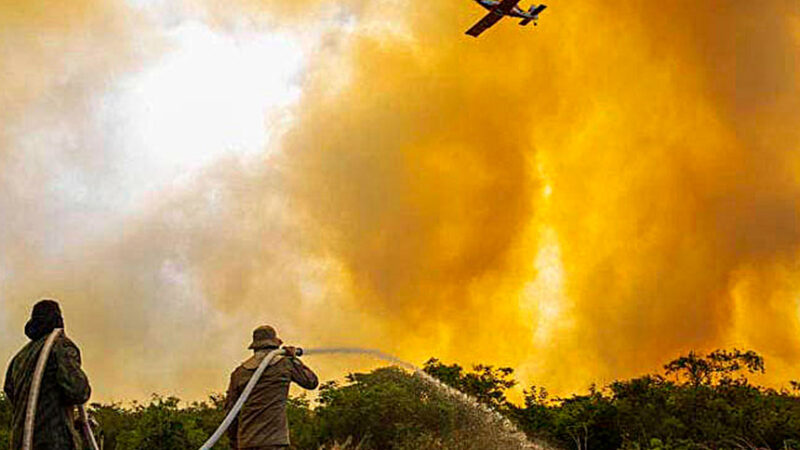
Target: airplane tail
{"points": [[533, 12]]}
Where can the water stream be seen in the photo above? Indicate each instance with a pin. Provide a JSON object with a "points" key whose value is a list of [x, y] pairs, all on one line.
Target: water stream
{"points": [[498, 419]]}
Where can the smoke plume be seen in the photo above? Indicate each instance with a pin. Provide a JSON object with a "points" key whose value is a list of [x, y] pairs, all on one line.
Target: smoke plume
{"points": [[581, 201]]}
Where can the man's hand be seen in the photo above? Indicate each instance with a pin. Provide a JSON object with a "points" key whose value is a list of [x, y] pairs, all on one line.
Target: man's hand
{"points": [[290, 351]]}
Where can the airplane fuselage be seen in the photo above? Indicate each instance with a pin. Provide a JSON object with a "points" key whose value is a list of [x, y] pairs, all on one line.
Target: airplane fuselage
{"points": [[515, 12]]}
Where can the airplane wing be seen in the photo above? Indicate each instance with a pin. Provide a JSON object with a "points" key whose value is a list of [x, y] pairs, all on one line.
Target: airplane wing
{"points": [[493, 17], [482, 25], [538, 9]]}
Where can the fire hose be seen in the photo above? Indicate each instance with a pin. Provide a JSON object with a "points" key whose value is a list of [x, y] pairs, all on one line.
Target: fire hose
{"points": [[33, 397]]}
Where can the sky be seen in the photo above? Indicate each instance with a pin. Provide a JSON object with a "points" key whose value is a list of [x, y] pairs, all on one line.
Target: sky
{"points": [[582, 201]]}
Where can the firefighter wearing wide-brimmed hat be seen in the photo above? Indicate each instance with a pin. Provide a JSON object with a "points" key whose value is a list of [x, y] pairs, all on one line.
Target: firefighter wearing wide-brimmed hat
{"points": [[262, 422]]}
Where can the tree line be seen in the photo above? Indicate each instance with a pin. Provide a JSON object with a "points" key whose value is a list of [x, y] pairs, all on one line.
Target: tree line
{"points": [[696, 402]]}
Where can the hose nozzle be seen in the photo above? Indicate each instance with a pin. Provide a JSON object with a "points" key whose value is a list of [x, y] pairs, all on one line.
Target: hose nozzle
{"points": [[297, 351]]}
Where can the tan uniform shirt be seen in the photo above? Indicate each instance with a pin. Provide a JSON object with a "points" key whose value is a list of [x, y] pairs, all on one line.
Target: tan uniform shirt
{"points": [[262, 420]]}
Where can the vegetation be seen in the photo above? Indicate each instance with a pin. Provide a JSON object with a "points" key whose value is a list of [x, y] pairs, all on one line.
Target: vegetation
{"points": [[5, 422], [698, 402]]}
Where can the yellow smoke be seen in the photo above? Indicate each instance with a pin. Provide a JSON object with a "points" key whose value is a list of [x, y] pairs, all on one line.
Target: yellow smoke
{"points": [[582, 201], [663, 136]]}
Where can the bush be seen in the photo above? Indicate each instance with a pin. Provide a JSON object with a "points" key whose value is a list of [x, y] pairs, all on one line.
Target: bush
{"points": [[5, 421], [159, 425]]}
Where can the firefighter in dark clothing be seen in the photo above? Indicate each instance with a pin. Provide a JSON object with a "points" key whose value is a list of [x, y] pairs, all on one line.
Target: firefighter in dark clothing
{"points": [[64, 384]]}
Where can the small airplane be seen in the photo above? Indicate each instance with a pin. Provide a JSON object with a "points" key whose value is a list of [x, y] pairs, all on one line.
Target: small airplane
{"points": [[502, 8]]}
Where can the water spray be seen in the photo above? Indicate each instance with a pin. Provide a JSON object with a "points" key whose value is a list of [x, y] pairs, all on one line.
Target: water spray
{"points": [[500, 419], [492, 414], [33, 397]]}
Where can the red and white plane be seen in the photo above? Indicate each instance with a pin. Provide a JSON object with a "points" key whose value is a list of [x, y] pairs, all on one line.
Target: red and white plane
{"points": [[502, 8]]}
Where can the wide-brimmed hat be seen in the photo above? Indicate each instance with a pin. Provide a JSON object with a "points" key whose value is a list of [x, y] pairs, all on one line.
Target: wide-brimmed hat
{"points": [[265, 336]]}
